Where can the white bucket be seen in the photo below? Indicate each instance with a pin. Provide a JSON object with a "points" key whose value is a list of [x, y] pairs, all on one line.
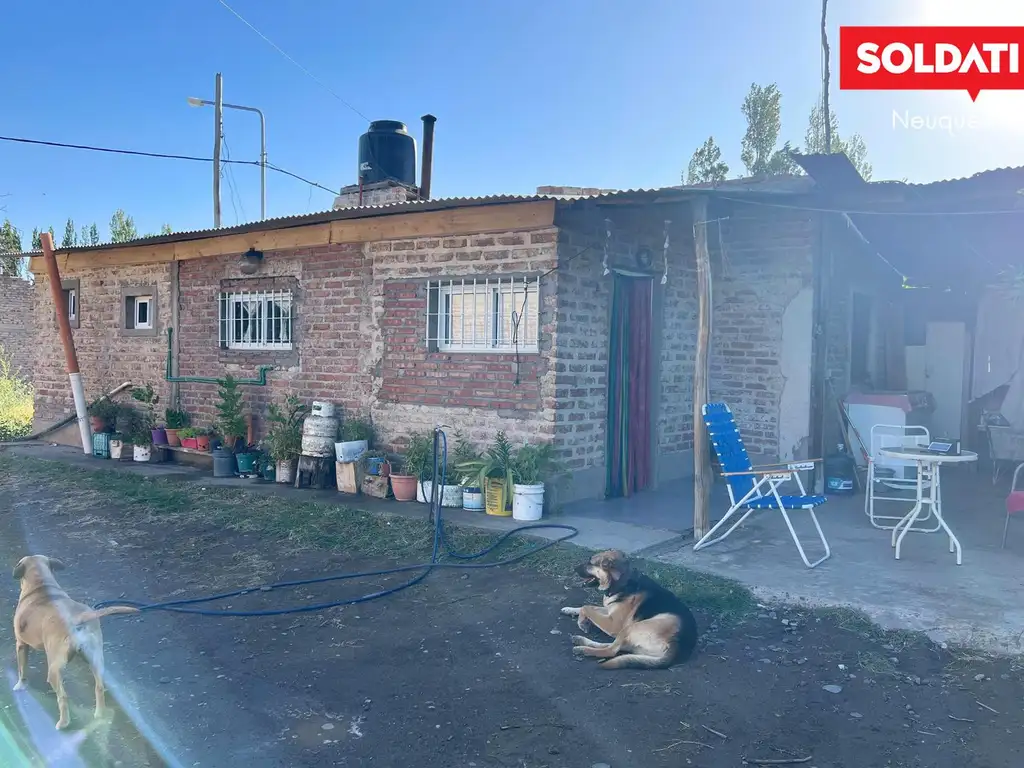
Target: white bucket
{"points": [[472, 499], [116, 446], [351, 450], [451, 495], [527, 502], [284, 472], [141, 452]]}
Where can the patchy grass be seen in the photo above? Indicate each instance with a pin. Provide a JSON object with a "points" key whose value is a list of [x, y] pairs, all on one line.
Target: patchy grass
{"points": [[295, 524]]}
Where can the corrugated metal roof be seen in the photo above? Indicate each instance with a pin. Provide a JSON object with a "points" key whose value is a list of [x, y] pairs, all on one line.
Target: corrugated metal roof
{"points": [[304, 219]]}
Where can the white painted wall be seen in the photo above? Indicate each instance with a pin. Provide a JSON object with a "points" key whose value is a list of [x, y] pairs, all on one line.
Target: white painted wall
{"points": [[795, 363]]}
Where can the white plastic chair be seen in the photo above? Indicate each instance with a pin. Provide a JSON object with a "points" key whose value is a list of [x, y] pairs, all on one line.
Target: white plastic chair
{"points": [[896, 436]]}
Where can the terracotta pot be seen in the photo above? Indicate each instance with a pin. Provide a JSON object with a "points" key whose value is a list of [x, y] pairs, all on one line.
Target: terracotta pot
{"points": [[172, 438], [203, 442], [404, 487], [190, 442]]}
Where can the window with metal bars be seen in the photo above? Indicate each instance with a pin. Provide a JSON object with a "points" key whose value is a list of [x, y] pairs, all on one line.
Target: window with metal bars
{"points": [[494, 314], [256, 320]]}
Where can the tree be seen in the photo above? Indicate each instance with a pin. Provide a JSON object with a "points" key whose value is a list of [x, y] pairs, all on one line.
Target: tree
{"points": [[706, 165], [83, 235], [854, 147], [10, 245], [94, 235], [70, 239], [762, 108], [122, 227], [166, 229], [37, 242]]}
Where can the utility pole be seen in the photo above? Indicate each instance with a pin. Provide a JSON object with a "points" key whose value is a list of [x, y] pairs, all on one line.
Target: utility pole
{"points": [[825, 78], [218, 131]]}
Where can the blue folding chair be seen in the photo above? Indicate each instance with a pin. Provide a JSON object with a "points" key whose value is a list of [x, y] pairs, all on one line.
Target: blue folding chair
{"points": [[755, 488]]}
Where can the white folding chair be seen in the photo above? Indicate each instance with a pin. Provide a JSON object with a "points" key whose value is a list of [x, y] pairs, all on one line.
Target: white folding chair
{"points": [[887, 474]]}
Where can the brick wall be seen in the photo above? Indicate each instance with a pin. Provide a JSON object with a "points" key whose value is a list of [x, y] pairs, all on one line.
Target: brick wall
{"points": [[359, 336], [107, 355], [414, 389], [762, 259], [16, 324]]}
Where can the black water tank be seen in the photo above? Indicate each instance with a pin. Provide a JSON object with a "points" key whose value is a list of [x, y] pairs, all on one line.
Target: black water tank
{"points": [[387, 152]]}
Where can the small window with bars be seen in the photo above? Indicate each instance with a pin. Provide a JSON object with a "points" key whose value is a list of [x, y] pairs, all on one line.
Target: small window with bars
{"points": [[256, 320], [484, 314]]}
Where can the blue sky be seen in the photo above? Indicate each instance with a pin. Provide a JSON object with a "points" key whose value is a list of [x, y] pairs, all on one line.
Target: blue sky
{"points": [[604, 93]]}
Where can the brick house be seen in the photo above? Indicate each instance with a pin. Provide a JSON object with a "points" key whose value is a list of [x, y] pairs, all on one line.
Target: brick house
{"points": [[406, 314]]}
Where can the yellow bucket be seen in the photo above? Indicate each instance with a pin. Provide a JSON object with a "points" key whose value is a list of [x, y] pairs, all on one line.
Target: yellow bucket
{"points": [[494, 494]]}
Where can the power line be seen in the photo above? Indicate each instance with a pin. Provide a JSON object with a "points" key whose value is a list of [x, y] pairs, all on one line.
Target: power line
{"points": [[280, 50], [164, 156]]}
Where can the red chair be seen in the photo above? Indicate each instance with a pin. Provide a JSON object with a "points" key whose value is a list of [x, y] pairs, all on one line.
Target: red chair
{"points": [[1014, 502]]}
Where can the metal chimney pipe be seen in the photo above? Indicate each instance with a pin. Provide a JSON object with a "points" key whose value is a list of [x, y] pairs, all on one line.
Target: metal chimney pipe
{"points": [[428, 155]]}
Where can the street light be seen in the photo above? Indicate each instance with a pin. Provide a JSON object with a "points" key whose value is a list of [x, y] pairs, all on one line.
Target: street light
{"points": [[194, 102]]}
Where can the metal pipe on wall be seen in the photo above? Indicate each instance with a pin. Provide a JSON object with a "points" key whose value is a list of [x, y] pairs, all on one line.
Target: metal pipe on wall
{"points": [[428, 156], [67, 340]]}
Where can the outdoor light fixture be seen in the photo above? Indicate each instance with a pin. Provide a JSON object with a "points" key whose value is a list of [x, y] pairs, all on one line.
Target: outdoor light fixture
{"points": [[251, 261]]}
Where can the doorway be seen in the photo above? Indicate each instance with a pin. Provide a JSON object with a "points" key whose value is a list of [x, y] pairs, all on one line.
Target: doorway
{"points": [[946, 368], [628, 448]]}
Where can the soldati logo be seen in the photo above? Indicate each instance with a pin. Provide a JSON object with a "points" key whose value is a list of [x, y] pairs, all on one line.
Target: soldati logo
{"points": [[971, 59]]}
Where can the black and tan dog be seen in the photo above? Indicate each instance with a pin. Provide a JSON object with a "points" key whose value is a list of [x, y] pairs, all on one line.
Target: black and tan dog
{"points": [[651, 627], [48, 619]]}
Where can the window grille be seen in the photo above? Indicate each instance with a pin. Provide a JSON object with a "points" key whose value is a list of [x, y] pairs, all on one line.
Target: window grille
{"points": [[494, 314], [256, 320]]}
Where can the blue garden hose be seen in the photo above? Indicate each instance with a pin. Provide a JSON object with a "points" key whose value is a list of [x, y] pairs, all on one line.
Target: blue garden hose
{"points": [[440, 546]]}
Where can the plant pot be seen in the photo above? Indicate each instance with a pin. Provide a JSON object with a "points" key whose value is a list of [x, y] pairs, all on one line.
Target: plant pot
{"points": [[172, 438], [494, 499], [404, 487], [269, 472], [190, 442], [528, 502], [116, 448], [351, 450], [97, 424], [223, 463], [451, 495], [159, 436], [472, 499], [203, 442], [378, 467], [141, 452], [246, 463], [286, 470]]}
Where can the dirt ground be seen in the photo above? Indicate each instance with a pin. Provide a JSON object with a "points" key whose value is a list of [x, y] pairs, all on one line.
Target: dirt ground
{"points": [[467, 669]]}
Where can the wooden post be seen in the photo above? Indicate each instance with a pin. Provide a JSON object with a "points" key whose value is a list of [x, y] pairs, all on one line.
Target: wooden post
{"points": [[67, 340], [702, 479]]}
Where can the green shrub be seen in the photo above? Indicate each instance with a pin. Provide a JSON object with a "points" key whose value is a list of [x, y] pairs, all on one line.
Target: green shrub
{"points": [[16, 406]]}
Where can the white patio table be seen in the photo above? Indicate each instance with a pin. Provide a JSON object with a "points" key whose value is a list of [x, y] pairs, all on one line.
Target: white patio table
{"points": [[928, 467]]}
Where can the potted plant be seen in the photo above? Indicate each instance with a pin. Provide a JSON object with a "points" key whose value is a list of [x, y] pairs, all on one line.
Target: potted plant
{"points": [[247, 458], [203, 439], [377, 463], [141, 435], [532, 465], [416, 462], [493, 473], [102, 415], [124, 426], [230, 420], [187, 435], [149, 398], [284, 439], [466, 454], [355, 439], [175, 420]]}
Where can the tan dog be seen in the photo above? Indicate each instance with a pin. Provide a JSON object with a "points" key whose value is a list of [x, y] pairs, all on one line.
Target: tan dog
{"points": [[651, 627], [47, 619]]}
